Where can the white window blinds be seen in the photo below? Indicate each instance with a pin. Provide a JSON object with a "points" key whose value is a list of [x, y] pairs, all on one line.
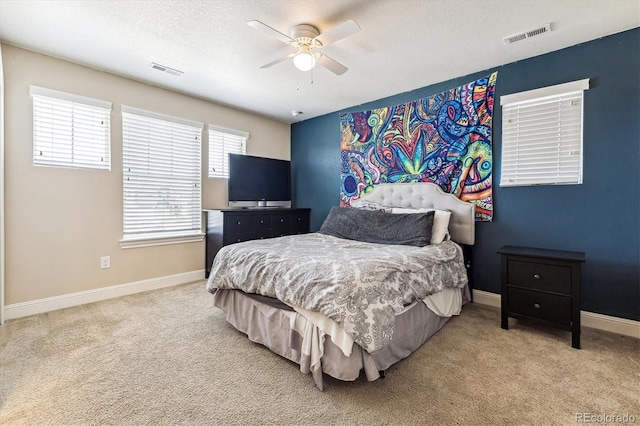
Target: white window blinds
{"points": [[223, 142], [70, 130], [542, 136], [161, 175]]}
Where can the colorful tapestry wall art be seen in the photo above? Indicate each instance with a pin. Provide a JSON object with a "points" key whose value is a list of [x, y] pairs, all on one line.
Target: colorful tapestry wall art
{"points": [[444, 138]]}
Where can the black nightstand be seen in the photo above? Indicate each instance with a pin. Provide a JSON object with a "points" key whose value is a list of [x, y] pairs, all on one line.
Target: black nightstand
{"points": [[542, 285]]}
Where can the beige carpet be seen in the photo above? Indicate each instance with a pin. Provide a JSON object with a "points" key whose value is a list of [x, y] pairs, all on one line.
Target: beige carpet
{"points": [[168, 357]]}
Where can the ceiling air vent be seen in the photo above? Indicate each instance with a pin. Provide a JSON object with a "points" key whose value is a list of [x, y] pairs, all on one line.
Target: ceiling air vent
{"points": [[527, 34], [168, 70]]}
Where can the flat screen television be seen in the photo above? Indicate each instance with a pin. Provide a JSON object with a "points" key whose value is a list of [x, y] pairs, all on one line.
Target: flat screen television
{"points": [[259, 181]]}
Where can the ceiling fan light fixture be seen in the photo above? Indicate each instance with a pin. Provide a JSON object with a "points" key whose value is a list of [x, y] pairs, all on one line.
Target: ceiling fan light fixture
{"points": [[306, 39], [304, 60]]}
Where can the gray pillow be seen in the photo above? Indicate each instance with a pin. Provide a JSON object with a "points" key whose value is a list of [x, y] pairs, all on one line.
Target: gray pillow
{"points": [[379, 227]]}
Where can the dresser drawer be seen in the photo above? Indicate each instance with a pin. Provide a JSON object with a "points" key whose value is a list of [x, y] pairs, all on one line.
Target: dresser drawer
{"points": [[281, 222], [539, 276], [236, 223], [545, 306], [260, 222], [238, 237], [290, 223], [299, 223]]}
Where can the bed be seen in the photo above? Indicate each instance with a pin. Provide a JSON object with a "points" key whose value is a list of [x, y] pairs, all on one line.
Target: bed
{"points": [[365, 291]]}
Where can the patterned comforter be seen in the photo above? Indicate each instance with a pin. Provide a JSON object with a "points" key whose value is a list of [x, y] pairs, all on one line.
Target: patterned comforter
{"points": [[361, 286]]}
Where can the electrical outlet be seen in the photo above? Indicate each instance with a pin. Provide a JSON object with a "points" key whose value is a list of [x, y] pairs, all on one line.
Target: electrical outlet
{"points": [[105, 262]]}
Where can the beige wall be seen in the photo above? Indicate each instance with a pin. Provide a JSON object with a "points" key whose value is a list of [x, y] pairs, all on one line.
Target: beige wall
{"points": [[59, 221]]}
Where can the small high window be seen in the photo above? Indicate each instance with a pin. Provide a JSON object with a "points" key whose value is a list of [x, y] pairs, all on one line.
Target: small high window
{"points": [[70, 130], [223, 142], [542, 135]]}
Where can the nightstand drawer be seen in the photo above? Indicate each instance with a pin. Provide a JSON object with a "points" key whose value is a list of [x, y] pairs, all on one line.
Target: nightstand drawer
{"points": [[539, 276], [545, 306]]}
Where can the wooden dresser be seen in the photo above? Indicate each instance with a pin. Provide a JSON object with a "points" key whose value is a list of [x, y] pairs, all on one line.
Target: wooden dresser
{"points": [[542, 285], [230, 226]]}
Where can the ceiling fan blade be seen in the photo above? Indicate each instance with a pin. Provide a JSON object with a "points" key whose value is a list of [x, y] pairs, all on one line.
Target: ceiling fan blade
{"points": [[277, 61], [333, 66], [272, 32], [340, 31]]}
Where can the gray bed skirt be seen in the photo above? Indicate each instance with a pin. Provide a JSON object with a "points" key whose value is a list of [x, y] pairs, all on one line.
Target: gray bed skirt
{"points": [[270, 326]]}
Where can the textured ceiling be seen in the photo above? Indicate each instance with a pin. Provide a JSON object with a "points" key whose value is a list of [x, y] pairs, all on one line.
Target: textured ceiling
{"points": [[403, 44]]}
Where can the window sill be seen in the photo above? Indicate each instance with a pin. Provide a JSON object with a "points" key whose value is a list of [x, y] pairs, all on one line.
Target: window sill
{"points": [[160, 240]]}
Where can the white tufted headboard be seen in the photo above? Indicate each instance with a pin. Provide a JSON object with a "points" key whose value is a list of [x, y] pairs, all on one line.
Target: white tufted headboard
{"points": [[427, 195]]}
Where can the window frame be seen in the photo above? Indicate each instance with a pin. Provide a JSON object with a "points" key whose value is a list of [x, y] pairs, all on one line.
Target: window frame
{"points": [[193, 164], [555, 109], [73, 142]]}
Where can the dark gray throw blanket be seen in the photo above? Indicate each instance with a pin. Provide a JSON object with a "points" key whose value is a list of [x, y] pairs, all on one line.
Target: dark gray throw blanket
{"points": [[379, 227]]}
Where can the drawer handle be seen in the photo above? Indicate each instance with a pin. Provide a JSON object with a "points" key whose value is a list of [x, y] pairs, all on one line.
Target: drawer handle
{"points": [[238, 240], [299, 219], [238, 222], [536, 305], [536, 276], [262, 221], [281, 220]]}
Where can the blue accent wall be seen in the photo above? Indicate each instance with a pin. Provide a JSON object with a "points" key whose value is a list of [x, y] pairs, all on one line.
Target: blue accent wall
{"points": [[599, 217]]}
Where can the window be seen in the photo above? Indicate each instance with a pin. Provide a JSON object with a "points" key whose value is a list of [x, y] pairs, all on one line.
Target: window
{"points": [[223, 142], [542, 135], [70, 130], [161, 178]]}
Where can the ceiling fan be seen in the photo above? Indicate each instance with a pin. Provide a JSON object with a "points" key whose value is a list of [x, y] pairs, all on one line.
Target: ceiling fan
{"points": [[306, 39]]}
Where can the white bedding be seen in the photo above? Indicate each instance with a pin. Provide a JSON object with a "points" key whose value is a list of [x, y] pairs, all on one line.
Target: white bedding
{"points": [[309, 344], [314, 327], [361, 286], [445, 303], [301, 335]]}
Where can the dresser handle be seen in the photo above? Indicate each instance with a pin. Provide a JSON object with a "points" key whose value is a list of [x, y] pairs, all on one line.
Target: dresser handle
{"points": [[536, 276], [262, 221], [299, 219], [238, 222], [281, 220], [536, 305]]}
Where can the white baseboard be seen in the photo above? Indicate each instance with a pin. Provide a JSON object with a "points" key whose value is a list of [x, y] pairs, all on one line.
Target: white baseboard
{"points": [[485, 298], [623, 326], [612, 324], [32, 307], [617, 325]]}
